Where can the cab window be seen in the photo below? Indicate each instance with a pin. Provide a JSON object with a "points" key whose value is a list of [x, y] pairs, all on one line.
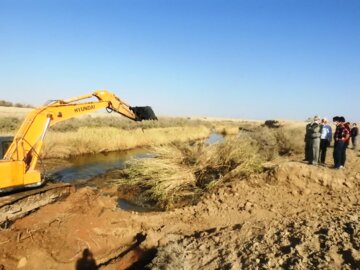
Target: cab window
{"points": [[5, 146]]}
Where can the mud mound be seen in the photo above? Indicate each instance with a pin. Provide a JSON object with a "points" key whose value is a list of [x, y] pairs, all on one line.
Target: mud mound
{"points": [[304, 176], [55, 236]]}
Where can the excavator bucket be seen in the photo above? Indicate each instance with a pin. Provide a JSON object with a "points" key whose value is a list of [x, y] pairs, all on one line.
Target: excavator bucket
{"points": [[144, 113]]}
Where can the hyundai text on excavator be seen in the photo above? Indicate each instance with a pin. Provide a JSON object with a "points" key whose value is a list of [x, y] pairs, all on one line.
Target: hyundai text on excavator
{"points": [[20, 154]]}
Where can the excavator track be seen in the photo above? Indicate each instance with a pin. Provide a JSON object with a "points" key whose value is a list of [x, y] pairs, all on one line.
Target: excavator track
{"points": [[17, 205]]}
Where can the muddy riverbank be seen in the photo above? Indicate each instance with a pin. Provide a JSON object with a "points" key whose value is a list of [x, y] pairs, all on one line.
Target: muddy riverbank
{"points": [[294, 216], [101, 171]]}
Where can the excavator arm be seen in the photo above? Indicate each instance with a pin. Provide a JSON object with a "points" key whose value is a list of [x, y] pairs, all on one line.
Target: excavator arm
{"points": [[17, 169]]}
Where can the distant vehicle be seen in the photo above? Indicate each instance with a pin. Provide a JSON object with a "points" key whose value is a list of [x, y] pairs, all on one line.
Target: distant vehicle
{"points": [[272, 124]]}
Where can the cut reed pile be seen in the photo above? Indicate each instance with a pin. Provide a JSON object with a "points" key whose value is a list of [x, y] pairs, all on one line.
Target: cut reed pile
{"points": [[184, 172], [163, 181]]}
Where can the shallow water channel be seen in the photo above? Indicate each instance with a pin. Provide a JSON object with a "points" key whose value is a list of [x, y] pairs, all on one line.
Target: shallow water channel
{"points": [[83, 168], [214, 138]]}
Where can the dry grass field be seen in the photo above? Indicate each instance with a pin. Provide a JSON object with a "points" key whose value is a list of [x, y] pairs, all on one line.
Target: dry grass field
{"points": [[87, 140], [103, 132]]}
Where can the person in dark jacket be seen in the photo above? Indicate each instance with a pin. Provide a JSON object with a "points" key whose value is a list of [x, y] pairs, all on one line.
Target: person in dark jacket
{"points": [[353, 134], [347, 142], [307, 140], [341, 135]]}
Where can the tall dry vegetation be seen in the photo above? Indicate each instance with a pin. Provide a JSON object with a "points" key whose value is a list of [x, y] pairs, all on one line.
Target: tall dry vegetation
{"points": [[94, 134], [281, 141], [90, 134], [8, 125], [119, 122], [164, 181], [182, 171], [95, 140]]}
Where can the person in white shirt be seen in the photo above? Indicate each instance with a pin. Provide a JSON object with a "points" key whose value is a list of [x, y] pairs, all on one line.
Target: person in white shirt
{"points": [[325, 139]]}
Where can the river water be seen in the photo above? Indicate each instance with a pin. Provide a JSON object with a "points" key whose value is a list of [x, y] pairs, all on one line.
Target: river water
{"points": [[85, 167]]}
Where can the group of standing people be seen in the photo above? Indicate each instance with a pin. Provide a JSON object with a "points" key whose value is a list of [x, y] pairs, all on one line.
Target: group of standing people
{"points": [[318, 137]]}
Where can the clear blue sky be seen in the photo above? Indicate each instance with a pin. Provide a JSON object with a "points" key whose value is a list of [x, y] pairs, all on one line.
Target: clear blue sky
{"points": [[250, 59]]}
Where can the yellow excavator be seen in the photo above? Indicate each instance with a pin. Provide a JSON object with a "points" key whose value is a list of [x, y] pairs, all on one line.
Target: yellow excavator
{"points": [[21, 153]]}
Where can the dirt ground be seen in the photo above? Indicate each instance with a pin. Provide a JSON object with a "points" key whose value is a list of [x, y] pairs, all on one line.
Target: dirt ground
{"points": [[292, 216]]}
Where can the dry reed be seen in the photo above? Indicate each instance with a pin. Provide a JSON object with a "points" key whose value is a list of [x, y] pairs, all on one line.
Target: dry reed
{"points": [[182, 170], [106, 139]]}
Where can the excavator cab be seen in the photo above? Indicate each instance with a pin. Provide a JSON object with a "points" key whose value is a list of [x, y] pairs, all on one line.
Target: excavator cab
{"points": [[5, 142]]}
